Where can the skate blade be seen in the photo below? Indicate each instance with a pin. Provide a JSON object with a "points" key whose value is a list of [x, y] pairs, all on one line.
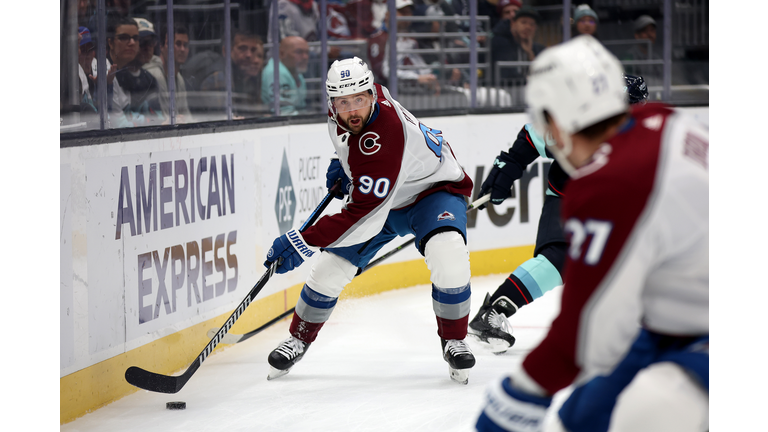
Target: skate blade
{"points": [[276, 373], [461, 376], [498, 346]]}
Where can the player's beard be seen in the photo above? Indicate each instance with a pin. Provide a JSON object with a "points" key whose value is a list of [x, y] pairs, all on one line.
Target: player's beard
{"points": [[360, 125]]}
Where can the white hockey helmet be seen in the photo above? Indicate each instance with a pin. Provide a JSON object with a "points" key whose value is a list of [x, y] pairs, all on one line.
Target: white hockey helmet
{"points": [[578, 83], [347, 77]]}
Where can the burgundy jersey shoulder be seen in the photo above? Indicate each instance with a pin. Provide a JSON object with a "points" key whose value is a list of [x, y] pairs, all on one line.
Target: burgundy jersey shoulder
{"points": [[625, 168], [387, 116]]}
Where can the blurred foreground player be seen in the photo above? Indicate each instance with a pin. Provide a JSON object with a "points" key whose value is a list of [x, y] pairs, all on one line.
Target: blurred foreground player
{"points": [[632, 336], [402, 178], [533, 278]]}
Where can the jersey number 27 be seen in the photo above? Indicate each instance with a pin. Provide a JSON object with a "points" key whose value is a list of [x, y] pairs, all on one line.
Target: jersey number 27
{"points": [[597, 229]]}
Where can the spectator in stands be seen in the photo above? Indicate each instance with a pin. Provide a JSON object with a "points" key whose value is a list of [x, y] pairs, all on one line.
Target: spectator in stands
{"points": [[434, 8], [419, 79], [139, 104], [379, 11], [351, 20], [205, 72], [157, 66], [508, 8], [643, 49], [441, 8], [489, 8], [513, 41], [86, 54], [585, 21], [355, 18], [120, 7], [85, 8], [296, 18], [294, 59], [645, 29], [147, 41]]}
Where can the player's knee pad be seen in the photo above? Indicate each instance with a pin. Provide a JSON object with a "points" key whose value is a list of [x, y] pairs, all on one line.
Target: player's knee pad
{"points": [[555, 254], [447, 258], [662, 397], [330, 274]]}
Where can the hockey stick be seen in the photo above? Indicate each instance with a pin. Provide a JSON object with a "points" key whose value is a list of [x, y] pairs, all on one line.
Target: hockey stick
{"points": [[236, 338], [172, 384], [230, 338]]}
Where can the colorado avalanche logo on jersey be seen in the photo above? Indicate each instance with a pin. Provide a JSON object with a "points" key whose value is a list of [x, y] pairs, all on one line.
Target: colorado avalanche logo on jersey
{"points": [[369, 143], [446, 215]]}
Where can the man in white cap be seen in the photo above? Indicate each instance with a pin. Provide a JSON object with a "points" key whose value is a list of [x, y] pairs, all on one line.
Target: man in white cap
{"points": [[631, 341], [147, 41], [401, 178]]}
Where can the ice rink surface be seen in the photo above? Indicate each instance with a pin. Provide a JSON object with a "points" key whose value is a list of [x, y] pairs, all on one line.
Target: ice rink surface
{"points": [[375, 366]]}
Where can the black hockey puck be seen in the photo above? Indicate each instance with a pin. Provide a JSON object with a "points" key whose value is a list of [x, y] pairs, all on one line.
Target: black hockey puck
{"points": [[176, 405]]}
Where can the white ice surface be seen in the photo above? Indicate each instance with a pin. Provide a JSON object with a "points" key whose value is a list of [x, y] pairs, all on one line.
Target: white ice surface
{"points": [[375, 366]]}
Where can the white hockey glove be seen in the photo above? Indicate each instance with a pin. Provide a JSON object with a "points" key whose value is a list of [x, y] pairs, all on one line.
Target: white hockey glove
{"points": [[512, 409]]}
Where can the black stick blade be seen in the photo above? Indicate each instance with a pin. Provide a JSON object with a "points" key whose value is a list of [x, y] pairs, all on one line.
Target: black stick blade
{"points": [[155, 382]]}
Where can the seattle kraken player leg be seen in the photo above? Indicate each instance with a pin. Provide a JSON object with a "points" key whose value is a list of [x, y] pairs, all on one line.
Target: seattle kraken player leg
{"points": [[439, 223], [528, 282]]}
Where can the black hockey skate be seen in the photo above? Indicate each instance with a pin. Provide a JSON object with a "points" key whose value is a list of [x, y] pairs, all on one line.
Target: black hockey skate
{"points": [[287, 354], [491, 326], [460, 359]]}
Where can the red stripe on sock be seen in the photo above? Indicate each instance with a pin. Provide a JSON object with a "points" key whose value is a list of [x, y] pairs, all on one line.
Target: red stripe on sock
{"points": [[518, 288]]}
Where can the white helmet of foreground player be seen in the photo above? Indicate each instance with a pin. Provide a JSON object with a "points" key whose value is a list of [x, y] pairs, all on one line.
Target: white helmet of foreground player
{"points": [[345, 78], [578, 83]]}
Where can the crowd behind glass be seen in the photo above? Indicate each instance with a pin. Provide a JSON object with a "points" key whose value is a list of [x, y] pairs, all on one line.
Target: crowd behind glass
{"points": [[449, 53]]}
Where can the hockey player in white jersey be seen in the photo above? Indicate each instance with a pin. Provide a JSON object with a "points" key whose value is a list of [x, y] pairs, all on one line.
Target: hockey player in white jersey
{"points": [[631, 341], [401, 178]]}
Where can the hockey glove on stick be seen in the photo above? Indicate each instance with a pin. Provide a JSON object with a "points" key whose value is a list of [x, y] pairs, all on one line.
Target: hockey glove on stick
{"points": [[289, 250], [336, 172], [499, 181], [510, 409]]}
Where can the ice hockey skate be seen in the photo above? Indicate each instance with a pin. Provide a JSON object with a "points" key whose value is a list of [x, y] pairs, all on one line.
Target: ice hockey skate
{"points": [[287, 354], [460, 359], [491, 326]]}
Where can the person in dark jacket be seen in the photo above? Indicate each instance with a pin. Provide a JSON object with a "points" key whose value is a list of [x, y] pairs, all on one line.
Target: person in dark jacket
{"points": [[513, 41]]}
